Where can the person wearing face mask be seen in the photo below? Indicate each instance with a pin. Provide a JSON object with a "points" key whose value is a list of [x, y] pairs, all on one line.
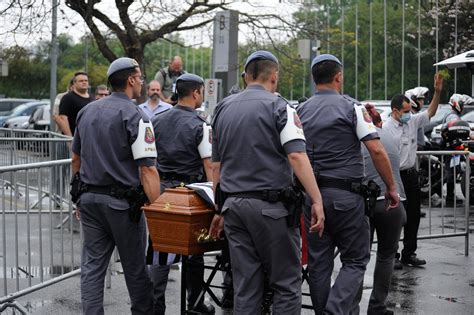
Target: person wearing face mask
{"points": [[417, 99], [403, 127]]}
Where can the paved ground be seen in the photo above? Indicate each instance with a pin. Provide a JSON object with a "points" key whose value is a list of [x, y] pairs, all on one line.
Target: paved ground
{"points": [[444, 286]]}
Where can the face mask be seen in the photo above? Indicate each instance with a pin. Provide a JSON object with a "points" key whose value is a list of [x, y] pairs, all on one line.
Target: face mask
{"points": [[404, 118]]}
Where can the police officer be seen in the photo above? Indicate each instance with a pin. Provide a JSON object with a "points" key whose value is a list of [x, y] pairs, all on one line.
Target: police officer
{"points": [[184, 148], [114, 152], [335, 125], [417, 99], [257, 141], [457, 102], [387, 224]]}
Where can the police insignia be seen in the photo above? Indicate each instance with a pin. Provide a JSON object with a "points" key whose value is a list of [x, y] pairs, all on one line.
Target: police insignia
{"points": [[149, 137], [297, 120], [366, 115]]}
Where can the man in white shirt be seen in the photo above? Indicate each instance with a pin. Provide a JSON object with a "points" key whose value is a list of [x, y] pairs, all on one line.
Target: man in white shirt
{"points": [[403, 125], [154, 105]]}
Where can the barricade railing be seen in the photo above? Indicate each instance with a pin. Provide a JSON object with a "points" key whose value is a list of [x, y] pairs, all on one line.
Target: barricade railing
{"points": [[19, 146], [36, 249], [445, 220]]}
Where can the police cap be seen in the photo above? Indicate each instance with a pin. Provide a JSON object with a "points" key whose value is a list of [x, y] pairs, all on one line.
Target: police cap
{"points": [[190, 77], [325, 57], [120, 64], [260, 55]]}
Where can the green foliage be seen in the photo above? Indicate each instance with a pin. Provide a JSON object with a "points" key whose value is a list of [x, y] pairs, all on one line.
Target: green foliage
{"points": [[28, 75], [326, 21]]}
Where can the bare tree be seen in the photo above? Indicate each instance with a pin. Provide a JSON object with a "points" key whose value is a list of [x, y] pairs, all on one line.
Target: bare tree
{"points": [[139, 23]]}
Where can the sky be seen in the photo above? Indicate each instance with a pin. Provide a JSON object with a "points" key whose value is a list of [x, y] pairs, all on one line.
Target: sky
{"points": [[69, 22]]}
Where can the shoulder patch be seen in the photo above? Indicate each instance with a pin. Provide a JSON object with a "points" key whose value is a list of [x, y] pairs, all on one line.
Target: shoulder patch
{"points": [[205, 147], [293, 129], [364, 123], [149, 136], [144, 145]]}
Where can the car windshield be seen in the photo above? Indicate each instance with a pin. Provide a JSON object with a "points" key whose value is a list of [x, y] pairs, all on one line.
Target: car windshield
{"points": [[468, 117], [17, 110]]}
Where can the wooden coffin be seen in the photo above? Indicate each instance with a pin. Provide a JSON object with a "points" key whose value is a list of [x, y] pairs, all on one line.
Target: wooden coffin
{"points": [[177, 219]]}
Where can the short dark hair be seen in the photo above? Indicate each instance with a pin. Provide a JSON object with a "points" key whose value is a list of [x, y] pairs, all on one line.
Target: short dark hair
{"points": [[185, 88], [261, 69], [118, 80], [397, 101], [79, 73], [324, 72]]}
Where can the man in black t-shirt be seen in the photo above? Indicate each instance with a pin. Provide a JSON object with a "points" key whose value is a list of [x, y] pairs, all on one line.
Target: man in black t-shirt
{"points": [[72, 103]]}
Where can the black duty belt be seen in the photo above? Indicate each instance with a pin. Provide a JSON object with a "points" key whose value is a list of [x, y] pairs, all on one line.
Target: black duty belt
{"points": [[179, 177], [352, 185], [114, 191], [265, 195], [410, 170]]}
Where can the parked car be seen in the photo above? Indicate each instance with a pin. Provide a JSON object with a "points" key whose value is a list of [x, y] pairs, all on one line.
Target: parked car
{"points": [[19, 122], [8, 104], [23, 111], [40, 119]]}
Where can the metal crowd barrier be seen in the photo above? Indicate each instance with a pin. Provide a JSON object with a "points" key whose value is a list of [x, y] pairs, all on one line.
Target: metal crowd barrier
{"points": [[37, 250], [444, 221], [22, 146]]}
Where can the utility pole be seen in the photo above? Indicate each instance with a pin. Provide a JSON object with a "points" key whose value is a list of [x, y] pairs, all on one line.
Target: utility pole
{"points": [[54, 60]]}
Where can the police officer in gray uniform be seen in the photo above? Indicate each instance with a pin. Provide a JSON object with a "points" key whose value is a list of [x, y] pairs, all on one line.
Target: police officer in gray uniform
{"points": [[113, 156], [335, 125], [184, 148], [257, 141]]}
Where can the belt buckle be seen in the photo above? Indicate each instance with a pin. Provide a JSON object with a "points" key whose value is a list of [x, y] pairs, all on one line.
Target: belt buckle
{"points": [[270, 195]]}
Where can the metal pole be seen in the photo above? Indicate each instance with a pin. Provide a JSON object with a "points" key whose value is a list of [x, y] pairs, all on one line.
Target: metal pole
{"points": [[54, 60], [419, 42], [403, 47], [437, 28], [356, 63], [467, 202], [370, 50], [342, 39], [194, 57], [328, 22], [385, 46], [456, 45], [86, 54]]}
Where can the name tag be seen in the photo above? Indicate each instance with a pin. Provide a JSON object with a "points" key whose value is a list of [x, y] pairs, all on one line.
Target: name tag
{"points": [[404, 140]]}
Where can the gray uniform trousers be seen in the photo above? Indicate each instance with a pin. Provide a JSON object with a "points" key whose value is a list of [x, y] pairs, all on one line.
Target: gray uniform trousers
{"points": [[260, 240], [106, 224], [159, 274], [388, 226], [347, 228]]}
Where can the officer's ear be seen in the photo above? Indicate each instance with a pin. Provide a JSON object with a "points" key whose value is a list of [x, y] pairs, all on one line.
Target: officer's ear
{"points": [[274, 77], [338, 77]]}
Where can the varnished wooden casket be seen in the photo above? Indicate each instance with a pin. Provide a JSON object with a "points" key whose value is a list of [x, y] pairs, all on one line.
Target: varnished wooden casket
{"points": [[177, 219]]}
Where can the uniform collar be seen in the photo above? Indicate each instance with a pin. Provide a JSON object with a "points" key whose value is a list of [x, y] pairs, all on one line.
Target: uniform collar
{"points": [[326, 92], [255, 87], [120, 95], [186, 108]]}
